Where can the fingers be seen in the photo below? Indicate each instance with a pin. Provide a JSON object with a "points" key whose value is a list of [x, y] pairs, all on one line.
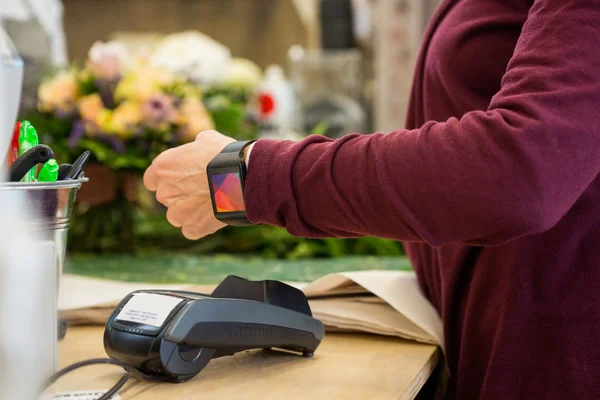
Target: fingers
{"points": [[203, 223], [194, 216], [174, 218], [164, 168], [178, 163], [193, 189], [150, 179], [168, 193], [158, 165], [193, 232], [187, 210], [200, 231], [178, 176]]}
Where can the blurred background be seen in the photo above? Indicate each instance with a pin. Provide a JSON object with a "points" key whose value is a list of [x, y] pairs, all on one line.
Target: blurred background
{"points": [[128, 79]]}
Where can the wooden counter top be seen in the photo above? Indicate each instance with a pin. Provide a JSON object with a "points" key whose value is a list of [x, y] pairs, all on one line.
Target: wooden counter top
{"points": [[345, 366]]}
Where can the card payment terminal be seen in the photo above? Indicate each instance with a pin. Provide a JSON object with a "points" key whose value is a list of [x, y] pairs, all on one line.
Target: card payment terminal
{"points": [[174, 334]]}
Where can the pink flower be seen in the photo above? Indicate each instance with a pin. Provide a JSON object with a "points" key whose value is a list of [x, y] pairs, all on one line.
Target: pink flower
{"points": [[159, 111], [108, 60]]}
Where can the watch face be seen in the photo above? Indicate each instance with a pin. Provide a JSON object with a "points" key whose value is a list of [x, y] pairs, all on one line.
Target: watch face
{"points": [[227, 191]]}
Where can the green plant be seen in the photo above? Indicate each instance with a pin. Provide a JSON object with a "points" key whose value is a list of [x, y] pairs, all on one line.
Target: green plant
{"points": [[153, 232]]}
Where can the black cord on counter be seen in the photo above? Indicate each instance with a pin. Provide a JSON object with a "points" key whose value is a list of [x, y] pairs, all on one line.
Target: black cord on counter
{"points": [[130, 373], [113, 390]]}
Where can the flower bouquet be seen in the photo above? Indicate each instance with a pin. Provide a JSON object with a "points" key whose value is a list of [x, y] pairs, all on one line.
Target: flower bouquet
{"points": [[127, 106]]}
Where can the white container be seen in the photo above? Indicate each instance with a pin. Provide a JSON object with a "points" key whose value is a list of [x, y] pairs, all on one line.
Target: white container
{"points": [[11, 79], [28, 319], [275, 105], [33, 239]]}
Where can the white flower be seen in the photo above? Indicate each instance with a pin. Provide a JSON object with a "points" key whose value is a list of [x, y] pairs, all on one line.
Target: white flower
{"points": [[193, 55], [242, 72], [108, 60]]}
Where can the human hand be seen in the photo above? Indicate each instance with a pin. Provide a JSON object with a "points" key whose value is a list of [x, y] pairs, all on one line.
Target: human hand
{"points": [[178, 176]]}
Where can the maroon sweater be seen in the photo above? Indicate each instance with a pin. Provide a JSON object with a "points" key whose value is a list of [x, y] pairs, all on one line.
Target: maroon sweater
{"points": [[494, 188]]}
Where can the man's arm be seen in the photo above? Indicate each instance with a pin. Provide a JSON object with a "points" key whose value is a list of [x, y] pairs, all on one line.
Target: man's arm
{"points": [[489, 177]]}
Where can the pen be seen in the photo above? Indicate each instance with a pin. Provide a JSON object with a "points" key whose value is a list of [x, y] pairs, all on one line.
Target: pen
{"points": [[49, 172], [28, 139], [63, 171], [27, 162], [78, 165], [13, 152]]}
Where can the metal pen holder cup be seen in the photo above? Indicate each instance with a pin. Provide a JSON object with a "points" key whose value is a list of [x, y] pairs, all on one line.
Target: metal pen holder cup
{"points": [[38, 217], [50, 205]]}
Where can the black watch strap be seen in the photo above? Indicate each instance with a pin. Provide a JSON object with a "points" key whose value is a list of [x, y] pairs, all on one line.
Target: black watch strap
{"points": [[237, 147], [232, 153]]}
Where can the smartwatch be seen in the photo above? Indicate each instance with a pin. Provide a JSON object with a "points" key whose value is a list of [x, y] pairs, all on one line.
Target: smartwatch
{"points": [[226, 177]]}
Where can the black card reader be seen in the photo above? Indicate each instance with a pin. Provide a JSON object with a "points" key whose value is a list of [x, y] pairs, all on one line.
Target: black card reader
{"points": [[174, 334]]}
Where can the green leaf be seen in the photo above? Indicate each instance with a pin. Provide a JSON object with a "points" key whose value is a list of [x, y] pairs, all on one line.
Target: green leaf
{"points": [[335, 247], [320, 128], [101, 151], [129, 161], [87, 85], [230, 120]]}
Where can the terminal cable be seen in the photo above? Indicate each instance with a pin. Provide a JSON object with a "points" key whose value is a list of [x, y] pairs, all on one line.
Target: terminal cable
{"points": [[130, 373]]}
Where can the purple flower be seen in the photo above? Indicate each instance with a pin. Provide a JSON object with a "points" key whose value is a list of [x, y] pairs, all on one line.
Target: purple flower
{"points": [[76, 134], [158, 110], [114, 142], [106, 92], [64, 114]]}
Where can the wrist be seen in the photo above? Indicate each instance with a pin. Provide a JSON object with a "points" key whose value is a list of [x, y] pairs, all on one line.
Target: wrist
{"points": [[246, 155]]}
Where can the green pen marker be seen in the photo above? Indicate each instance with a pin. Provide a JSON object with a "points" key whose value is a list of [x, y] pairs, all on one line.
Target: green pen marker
{"points": [[49, 172], [28, 138]]}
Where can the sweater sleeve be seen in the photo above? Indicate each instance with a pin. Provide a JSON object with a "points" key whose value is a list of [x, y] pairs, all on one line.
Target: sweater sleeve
{"points": [[485, 178]]}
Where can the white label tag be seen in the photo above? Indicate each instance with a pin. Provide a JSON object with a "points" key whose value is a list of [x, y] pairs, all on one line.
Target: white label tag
{"points": [[149, 309], [81, 395]]}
